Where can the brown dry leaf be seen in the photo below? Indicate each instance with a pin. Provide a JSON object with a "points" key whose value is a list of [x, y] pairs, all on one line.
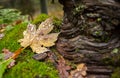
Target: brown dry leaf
{"points": [[7, 54], [80, 72], [63, 68], [39, 39]]}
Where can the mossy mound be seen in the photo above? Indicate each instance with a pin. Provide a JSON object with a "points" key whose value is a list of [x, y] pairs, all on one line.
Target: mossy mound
{"points": [[29, 68], [116, 73], [10, 41], [25, 67]]}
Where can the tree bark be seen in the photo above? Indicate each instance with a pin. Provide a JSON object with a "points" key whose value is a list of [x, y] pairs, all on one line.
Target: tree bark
{"points": [[90, 34]]}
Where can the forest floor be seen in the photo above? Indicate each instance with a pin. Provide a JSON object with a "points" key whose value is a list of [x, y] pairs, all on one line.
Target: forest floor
{"points": [[26, 66]]}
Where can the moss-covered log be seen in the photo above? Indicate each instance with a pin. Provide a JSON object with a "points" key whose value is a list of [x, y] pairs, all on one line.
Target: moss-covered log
{"points": [[90, 34]]}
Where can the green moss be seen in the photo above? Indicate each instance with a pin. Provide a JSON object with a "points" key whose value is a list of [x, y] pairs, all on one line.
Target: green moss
{"points": [[12, 36], [40, 18], [116, 73], [57, 22], [25, 67]]}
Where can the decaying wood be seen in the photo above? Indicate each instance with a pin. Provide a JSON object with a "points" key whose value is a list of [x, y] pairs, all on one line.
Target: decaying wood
{"points": [[90, 33]]}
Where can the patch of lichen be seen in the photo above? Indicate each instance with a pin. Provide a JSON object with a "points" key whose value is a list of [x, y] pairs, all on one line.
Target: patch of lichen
{"points": [[26, 66]]}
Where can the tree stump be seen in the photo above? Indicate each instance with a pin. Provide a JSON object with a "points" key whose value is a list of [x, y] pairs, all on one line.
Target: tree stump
{"points": [[90, 34]]}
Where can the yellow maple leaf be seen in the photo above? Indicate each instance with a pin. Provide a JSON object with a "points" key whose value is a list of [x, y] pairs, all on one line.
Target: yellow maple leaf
{"points": [[37, 48], [45, 27], [39, 39], [29, 35], [48, 40]]}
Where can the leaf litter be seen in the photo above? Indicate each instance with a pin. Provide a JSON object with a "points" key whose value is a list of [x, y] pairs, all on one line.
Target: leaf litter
{"points": [[7, 59], [79, 72], [10, 55], [67, 70], [40, 40]]}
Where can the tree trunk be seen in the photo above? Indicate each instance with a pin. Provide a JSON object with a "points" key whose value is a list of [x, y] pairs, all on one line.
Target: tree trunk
{"points": [[43, 6], [26, 6], [90, 34]]}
